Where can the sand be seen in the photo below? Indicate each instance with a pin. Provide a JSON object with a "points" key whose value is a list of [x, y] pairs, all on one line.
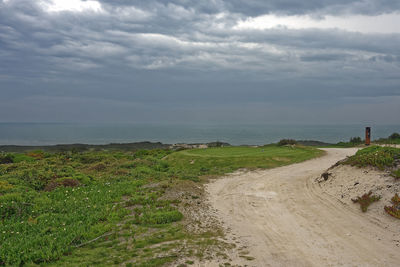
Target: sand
{"points": [[285, 217]]}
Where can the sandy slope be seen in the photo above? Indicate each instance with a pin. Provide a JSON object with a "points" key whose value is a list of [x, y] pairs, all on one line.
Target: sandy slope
{"points": [[285, 219]]}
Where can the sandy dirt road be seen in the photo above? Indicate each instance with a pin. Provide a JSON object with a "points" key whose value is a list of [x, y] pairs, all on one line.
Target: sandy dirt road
{"points": [[285, 219]]}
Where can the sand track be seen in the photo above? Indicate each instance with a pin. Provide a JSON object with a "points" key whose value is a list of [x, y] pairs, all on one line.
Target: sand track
{"points": [[285, 219]]}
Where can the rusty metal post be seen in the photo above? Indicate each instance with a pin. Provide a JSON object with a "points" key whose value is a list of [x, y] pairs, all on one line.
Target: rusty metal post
{"points": [[367, 136]]}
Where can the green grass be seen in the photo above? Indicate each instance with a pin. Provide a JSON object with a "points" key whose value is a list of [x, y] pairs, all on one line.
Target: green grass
{"points": [[193, 163], [396, 174], [343, 145], [375, 156], [116, 210], [393, 139]]}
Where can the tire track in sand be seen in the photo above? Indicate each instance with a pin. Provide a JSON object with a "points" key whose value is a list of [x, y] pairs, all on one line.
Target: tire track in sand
{"points": [[285, 219]]}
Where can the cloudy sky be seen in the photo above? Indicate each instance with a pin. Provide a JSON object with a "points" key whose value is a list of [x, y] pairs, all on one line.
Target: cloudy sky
{"points": [[258, 61]]}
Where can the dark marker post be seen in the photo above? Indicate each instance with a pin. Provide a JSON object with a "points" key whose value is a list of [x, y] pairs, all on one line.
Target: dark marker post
{"points": [[367, 136]]}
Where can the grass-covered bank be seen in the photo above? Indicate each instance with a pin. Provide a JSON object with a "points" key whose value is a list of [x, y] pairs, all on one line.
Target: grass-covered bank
{"points": [[376, 156], [113, 207]]}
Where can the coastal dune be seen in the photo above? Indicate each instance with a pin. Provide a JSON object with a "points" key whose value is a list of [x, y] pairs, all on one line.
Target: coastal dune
{"points": [[283, 217]]}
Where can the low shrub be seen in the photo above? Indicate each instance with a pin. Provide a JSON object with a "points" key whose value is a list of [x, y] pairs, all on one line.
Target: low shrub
{"points": [[98, 167], [366, 200], [394, 210], [5, 186], [396, 174], [6, 159], [356, 140], [36, 154], [66, 182], [394, 136], [285, 142], [375, 156]]}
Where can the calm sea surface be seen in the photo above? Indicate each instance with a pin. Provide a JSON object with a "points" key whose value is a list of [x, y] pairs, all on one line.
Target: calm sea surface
{"points": [[67, 133]]}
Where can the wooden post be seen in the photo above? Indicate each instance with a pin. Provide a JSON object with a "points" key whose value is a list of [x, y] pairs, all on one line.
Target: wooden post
{"points": [[367, 136]]}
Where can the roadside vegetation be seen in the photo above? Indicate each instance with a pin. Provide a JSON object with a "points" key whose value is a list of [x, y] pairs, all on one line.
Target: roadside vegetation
{"points": [[376, 156], [392, 139], [127, 208], [353, 142]]}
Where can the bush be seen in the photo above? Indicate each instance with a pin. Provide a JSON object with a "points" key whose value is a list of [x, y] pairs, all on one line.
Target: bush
{"points": [[284, 142], [6, 159], [396, 174], [356, 140], [394, 136], [375, 156], [66, 182], [366, 200]]}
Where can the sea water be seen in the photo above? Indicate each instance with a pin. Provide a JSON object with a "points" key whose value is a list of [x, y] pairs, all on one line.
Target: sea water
{"points": [[236, 134]]}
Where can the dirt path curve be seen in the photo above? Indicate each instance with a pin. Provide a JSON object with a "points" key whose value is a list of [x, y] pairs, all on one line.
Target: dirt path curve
{"points": [[285, 219]]}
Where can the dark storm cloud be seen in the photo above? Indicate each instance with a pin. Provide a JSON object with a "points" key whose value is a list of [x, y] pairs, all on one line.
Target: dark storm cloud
{"points": [[259, 7], [175, 57]]}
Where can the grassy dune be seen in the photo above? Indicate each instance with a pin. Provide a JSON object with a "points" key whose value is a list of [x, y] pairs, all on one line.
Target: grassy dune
{"points": [[114, 207]]}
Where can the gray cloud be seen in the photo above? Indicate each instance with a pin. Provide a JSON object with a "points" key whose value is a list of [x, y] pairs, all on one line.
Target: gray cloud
{"points": [[168, 58]]}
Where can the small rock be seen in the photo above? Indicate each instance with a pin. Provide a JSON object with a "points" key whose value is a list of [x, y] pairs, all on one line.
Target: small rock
{"points": [[356, 183]]}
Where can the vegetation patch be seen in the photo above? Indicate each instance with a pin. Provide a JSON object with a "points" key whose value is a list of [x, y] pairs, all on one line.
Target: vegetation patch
{"points": [[88, 208], [394, 210], [396, 174], [392, 139], [375, 156], [366, 200], [66, 182], [284, 142], [6, 159]]}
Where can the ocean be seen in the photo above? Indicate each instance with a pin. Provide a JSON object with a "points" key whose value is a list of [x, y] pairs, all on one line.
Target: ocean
{"points": [[235, 134]]}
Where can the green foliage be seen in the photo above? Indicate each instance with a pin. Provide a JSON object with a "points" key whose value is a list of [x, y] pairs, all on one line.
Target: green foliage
{"points": [[396, 174], [392, 139], [39, 227], [190, 164], [284, 142], [161, 217], [356, 140], [394, 136], [52, 203], [375, 156], [366, 200], [394, 210], [342, 145], [6, 158], [22, 157]]}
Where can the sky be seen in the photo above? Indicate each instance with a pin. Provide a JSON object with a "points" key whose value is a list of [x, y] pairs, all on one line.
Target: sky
{"points": [[181, 61]]}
